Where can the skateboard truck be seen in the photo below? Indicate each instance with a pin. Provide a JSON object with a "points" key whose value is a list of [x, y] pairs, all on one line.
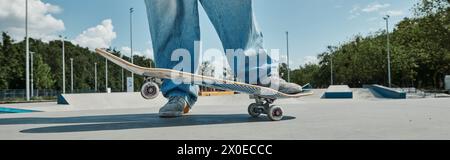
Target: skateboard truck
{"points": [[264, 106], [150, 89]]}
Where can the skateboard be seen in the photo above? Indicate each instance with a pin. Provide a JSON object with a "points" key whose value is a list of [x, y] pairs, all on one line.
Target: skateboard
{"points": [[264, 97]]}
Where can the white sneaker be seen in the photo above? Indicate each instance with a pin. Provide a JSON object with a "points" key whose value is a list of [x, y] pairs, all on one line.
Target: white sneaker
{"points": [[176, 107], [283, 86]]}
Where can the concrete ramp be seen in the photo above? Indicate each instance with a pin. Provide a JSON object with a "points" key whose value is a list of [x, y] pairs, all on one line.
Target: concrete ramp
{"points": [[338, 92], [365, 94], [108, 100], [387, 92]]}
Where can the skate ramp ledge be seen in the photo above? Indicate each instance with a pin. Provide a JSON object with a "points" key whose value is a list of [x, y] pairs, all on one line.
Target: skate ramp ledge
{"points": [[338, 92], [108, 100], [61, 100], [387, 92]]}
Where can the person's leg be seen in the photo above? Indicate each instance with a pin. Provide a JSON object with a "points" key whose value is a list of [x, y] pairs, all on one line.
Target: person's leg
{"points": [[174, 25], [237, 28]]}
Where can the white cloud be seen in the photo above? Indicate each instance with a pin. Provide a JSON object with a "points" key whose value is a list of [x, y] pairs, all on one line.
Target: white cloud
{"points": [[99, 36], [374, 19], [373, 29], [284, 59], [353, 16], [394, 13], [293, 62], [146, 53], [354, 13], [375, 7], [125, 50], [310, 60], [149, 53], [41, 23], [355, 9], [381, 9]]}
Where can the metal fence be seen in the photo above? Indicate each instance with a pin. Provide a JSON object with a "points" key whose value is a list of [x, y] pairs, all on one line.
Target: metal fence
{"points": [[423, 93], [19, 94]]}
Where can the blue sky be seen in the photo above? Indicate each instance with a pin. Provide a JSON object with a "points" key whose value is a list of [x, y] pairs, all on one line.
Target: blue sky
{"points": [[313, 24]]}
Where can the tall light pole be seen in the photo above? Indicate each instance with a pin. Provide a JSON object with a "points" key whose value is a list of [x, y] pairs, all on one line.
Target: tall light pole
{"points": [[95, 72], [131, 42], [32, 79], [27, 59], [288, 59], [331, 50], [388, 50], [106, 74], [121, 84], [63, 65], [332, 78], [71, 75]]}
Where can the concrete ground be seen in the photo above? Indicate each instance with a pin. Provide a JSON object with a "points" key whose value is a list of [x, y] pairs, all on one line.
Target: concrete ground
{"points": [[225, 117]]}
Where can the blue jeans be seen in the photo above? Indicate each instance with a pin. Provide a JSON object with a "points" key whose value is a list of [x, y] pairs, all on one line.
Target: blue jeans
{"points": [[174, 24]]}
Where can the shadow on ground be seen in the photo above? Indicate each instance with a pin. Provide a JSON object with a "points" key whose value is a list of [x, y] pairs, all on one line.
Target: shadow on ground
{"points": [[132, 121]]}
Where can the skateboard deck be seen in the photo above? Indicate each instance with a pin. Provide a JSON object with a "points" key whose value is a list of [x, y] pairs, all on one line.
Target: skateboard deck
{"points": [[195, 79]]}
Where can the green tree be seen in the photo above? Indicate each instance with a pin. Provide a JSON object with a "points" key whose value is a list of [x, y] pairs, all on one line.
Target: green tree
{"points": [[207, 69], [306, 74], [48, 66], [419, 53], [43, 76], [426, 39], [14, 62], [283, 71], [3, 69]]}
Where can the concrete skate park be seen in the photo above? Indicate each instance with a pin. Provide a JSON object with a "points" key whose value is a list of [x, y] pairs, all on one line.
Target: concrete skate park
{"points": [[367, 115]]}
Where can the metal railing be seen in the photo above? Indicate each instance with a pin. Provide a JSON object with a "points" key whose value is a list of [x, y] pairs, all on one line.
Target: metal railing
{"points": [[19, 94], [422, 93], [40, 94]]}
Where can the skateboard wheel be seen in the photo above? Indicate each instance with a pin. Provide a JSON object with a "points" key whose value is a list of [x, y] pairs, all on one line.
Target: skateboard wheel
{"points": [[149, 90], [275, 113], [253, 110]]}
